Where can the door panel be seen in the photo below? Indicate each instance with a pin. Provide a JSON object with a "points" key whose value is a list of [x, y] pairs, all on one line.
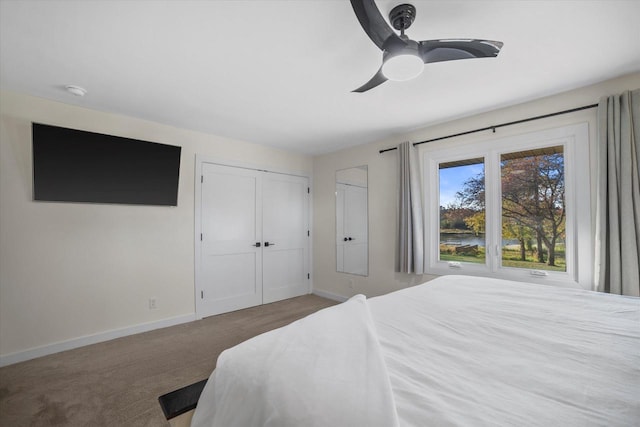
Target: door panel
{"points": [[241, 284], [231, 264], [355, 206], [231, 204], [355, 251], [284, 274], [355, 258], [340, 234], [285, 226], [351, 207]]}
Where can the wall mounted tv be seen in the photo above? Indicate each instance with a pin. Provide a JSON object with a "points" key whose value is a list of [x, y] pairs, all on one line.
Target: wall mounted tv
{"points": [[76, 166]]}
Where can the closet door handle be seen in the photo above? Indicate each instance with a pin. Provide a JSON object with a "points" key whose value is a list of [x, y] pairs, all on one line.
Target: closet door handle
{"points": [[257, 245], [345, 239], [267, 244]]}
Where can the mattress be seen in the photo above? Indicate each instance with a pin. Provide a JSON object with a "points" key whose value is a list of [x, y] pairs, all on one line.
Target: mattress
{"points": [[455, 351]]}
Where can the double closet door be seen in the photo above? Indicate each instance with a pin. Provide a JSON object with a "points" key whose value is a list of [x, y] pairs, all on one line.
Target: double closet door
{"points": [[254, 242]]}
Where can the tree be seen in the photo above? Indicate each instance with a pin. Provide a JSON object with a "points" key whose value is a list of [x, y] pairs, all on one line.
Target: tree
{"points": [[512, 230], [472, 197], [472, 194], [533, 197], [476, 222], [453, 217]]}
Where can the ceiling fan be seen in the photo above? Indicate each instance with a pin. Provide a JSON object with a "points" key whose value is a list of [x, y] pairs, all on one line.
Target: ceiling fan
{"points": [[403, 58]]}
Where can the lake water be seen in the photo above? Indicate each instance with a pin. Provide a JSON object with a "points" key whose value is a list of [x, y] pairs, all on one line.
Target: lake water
{"points": [[470, 239]]}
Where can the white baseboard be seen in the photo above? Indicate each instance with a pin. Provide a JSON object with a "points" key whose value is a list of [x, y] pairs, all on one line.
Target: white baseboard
{"points": [[32, 353], [329, 295]]}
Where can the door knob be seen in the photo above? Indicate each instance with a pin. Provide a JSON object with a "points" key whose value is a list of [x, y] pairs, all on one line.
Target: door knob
{"points": [[257, 245], [345, 239], [267, 244], [351, 238]]}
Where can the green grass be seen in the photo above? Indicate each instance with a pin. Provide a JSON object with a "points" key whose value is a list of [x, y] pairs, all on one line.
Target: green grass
{"points": [[510, 258], [461, 258], [447, 253], [532, 265]]}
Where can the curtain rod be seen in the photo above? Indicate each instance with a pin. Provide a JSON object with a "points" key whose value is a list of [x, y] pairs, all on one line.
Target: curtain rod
{"points": [[494, 127]]}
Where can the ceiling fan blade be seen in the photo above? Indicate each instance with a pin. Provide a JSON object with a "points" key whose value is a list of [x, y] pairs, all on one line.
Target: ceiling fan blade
{"points": [[376, 80], [453, 49], [374, 24]]}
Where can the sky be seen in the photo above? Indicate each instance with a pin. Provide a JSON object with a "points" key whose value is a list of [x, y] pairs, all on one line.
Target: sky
{"points": [[452, 180]]}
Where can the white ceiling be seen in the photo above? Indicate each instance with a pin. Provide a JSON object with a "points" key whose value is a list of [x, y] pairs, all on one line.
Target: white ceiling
{"points": [[280, 73]]}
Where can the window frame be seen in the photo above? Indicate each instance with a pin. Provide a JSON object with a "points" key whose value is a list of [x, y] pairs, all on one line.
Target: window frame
{"points": [[579, 247]]}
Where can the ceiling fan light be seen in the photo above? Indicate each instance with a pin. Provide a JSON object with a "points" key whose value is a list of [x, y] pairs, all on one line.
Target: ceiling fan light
{"points": [[402, 67]]}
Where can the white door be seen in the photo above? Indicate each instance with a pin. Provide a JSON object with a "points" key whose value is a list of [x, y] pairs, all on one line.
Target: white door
{"points": [[254, 245], [340, 235], [352, 235], [285, 231], [231, 224]]}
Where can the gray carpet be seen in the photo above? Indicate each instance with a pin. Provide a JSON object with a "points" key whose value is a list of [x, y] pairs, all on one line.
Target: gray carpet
{"points": [[117, 383]]}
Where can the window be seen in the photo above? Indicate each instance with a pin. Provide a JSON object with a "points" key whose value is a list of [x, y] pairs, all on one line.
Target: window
{"points": [[533, 209], [516, 208], [462, 212]]}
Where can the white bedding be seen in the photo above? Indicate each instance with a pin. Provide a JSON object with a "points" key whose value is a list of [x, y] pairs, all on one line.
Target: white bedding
{"points": [[473, 351], [458, 350], [323, 370]]}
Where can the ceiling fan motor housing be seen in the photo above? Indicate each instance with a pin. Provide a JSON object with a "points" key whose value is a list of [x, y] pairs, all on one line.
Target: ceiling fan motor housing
{"points": [[402, 16]]}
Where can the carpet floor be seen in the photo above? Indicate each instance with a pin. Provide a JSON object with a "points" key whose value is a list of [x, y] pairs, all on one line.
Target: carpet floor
{"points": [[118, 382]]}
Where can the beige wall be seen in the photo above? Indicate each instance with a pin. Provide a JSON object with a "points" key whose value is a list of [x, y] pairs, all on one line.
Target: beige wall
{"points": [[382, 183], [70, 270]]}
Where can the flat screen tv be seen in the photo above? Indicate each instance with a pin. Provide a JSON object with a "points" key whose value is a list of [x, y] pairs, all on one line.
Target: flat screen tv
{"points": [[76, 166]]}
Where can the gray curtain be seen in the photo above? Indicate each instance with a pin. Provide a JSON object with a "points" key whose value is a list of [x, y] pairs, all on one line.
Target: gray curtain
{"points": [[410, 257], [617, 266]]}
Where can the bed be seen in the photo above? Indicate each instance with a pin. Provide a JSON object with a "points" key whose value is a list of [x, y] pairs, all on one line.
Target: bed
{"points": [[455, 351]]}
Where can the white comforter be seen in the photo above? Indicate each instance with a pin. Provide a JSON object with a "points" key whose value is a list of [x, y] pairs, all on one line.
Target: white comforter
{"points": [[458, 350], [471, 351], [323, 370]]}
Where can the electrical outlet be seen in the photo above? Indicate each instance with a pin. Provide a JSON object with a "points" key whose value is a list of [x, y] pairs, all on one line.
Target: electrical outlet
{"points": [[152, 304]]}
